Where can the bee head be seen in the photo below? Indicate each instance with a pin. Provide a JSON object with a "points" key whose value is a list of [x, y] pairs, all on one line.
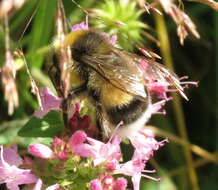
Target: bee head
{"points": [[91, 43]]}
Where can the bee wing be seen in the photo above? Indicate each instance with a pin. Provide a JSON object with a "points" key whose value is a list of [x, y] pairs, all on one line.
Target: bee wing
{"points": [[120, 70], [126, 72]]}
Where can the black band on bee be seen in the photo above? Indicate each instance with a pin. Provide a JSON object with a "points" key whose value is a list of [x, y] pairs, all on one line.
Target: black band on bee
{"points": [[128, 113], [78, 90]]}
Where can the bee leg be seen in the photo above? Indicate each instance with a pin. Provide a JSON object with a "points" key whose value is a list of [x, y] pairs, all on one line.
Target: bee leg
{"points": [[66, 104], [73, 92], [54, 74], [77, 90], [104, 131], [99, 120]]}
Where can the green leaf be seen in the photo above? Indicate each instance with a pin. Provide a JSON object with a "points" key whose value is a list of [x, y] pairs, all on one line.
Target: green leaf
{"points": [[9, 129], [41, 31], [49, 126]]}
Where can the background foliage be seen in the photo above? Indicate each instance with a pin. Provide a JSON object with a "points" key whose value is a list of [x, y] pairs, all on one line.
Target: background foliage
{"points": [[197, 59]]}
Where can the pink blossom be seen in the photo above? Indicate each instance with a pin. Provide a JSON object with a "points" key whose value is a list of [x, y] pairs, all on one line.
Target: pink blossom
{"points": [[105, 152], [81, 26], [78, 107], [84, 26], [11, 157], [111, 39], [40, 150], [144, 143], [49, 102], [77, 138], [95, 185], [107, 181], [38, 186], [101, 152], [82, 122], [53, 187], [63, 156], [160, 90], [58, 143], [111, 165], [12, 175], [130, 168], [136, 181], [120, 184], [133, 168]]}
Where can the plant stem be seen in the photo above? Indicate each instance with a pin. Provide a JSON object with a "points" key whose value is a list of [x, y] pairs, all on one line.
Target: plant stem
{"points": [[180, 119], [216, 72]]}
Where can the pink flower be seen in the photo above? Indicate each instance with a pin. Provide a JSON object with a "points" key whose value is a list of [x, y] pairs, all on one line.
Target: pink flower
{"points": [[120, 184], [58, 143], [11, 157], [99, 151], [53, 187], [160, 90], [144, 143], [111, 165], [63, 156], [81, 26], [112, 39], [107, 181], [40, 150], [38, 186], [11, 174], [49, 102], [95, 185], [82, 122], [77, 138], [133, 168]]}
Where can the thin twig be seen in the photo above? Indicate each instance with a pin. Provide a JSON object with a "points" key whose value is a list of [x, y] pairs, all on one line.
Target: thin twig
{"points": [[195, 148]]}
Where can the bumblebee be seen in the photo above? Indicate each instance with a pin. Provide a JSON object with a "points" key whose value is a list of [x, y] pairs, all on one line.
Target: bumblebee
{"points": [[113, 78]]}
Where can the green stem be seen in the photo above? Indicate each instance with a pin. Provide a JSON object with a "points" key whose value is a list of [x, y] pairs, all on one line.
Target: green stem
{"points": [[216, 71], [180, 118], [45, 50]]}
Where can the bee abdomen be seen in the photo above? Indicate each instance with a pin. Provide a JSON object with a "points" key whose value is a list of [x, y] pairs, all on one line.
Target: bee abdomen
{"points": [[128, 113]]}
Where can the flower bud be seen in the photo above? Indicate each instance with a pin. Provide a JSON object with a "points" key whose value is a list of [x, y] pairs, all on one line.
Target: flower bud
{"points": [[40, 150], [120, 184], [77, 138], [63, 156], [95, 185], [111, 166]]}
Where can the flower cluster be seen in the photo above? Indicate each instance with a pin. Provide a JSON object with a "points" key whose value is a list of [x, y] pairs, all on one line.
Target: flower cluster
{"points": [[79, 161], [94, 162]]}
